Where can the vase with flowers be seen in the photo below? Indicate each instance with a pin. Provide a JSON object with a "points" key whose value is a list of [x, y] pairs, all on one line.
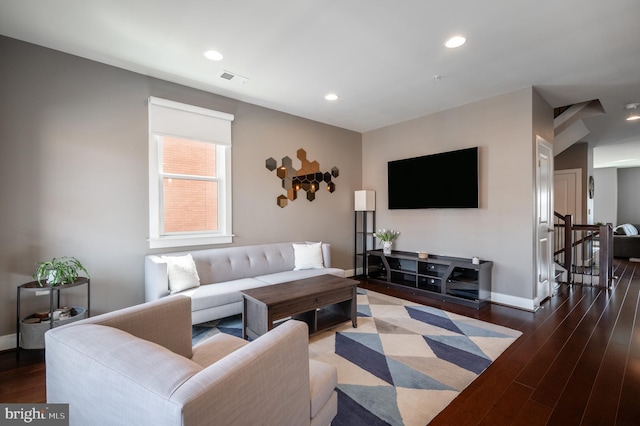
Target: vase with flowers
{"points": [[386, 237]]}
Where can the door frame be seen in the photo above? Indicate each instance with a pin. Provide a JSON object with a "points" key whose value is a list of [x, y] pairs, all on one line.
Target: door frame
{"points": [[540, 227]]}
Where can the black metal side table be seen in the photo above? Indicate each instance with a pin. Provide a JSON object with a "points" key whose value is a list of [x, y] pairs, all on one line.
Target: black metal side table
{"points": [[33, 287]]}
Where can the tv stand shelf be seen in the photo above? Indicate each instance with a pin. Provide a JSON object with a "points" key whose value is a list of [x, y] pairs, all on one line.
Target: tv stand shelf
{"points": [[452, 279]]}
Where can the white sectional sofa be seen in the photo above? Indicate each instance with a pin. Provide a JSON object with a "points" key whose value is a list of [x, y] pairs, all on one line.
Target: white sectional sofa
{"points": [[218, 275]]}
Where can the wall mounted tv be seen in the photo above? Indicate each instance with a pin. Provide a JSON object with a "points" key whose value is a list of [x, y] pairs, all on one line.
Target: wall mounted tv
{"points": [[437, 181]]}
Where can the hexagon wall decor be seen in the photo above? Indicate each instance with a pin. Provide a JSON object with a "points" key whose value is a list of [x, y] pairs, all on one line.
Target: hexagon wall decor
{"points": [[307, 178]]}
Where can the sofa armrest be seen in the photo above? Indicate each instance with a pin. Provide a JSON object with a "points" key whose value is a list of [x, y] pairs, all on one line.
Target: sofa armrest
{"points": [[272, 371], [166, 322], [108, 376], [156, 278]]}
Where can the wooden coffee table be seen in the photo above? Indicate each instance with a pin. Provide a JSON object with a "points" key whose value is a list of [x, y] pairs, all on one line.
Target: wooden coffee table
{"points": [[322, 302]]}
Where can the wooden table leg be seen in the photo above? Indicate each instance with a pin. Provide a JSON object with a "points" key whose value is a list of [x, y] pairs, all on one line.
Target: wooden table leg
{"points": [[354, 307], [244, 318]]}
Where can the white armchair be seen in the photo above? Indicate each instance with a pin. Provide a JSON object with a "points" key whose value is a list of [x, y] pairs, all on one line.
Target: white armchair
{"points": [[136, 366]]}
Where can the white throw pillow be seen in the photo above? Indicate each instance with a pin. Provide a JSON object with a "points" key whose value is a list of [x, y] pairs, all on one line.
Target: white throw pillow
{"points": [[308, 256], [630, 229], [626, 229], [182, 272]]}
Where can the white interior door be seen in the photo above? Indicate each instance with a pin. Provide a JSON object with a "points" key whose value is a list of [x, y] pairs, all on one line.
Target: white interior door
{"points": [[544, 221], [567, 197]]}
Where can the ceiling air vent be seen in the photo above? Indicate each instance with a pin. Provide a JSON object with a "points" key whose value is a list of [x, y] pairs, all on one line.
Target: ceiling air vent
{"points": [[234, 78]]}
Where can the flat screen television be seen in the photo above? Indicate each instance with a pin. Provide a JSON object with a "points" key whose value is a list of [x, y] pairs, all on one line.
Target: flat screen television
{"points": [[447, 180]]}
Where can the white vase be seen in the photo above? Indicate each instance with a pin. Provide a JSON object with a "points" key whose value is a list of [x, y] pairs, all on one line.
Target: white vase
{"points": [[386, 247], [52, 278]]}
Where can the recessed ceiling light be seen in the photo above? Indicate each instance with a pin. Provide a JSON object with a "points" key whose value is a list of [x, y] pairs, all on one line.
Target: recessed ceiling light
{"points": [[331, 97], [633, 115], [214, 55], [455, 41]]}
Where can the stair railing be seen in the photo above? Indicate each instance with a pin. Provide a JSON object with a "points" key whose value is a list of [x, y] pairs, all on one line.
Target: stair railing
{"points": [[584, 251]]}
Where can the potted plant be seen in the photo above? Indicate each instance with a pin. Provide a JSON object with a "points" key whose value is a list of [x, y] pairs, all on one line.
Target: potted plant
{"points": [[386, 237], [59, 271]]}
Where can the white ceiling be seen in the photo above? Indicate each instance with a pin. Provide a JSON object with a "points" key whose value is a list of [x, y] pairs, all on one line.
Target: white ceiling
{"points": [[379, 56], [617, 155]]}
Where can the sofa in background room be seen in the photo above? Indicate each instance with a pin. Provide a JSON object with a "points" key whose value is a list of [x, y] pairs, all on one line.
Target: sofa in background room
{"points": [[626, 241]]}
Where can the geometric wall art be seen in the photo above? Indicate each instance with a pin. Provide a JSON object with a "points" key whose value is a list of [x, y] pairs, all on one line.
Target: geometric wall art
{"points": [[307, 178]]}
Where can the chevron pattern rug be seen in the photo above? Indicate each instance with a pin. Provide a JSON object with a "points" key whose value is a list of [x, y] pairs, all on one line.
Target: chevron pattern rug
{"points": [[403, 364]]}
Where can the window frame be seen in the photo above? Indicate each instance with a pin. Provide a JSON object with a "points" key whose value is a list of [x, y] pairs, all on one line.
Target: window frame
{"points": [[224, 234]]}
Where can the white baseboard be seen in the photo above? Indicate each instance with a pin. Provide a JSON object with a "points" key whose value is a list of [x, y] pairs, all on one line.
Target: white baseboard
{"points": [[349, 273], [515, 302], [7, 342]]}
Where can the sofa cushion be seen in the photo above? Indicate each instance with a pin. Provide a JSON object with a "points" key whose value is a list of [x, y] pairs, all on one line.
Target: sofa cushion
{"points": [[182, 272], [323, 380], [283, 277], [308, 256], [232, 263], [220, 294], [216, 347], [326, 414]]}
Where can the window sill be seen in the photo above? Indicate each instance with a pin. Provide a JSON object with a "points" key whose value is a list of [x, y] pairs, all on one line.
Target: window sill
{"points": [[184, 241]]}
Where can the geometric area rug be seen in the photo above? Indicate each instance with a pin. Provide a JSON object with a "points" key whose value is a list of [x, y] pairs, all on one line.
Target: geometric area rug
{"points": [[403, 364]]}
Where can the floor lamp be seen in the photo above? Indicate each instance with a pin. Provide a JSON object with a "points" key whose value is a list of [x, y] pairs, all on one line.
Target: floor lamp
{"points": [[364, 225]]}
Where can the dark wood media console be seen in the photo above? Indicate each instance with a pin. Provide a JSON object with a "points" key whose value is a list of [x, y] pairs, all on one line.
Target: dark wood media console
{"points": [[452, 279]]}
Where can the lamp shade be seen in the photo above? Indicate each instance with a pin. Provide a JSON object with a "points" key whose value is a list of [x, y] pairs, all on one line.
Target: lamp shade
{"points": [[365, 201]]}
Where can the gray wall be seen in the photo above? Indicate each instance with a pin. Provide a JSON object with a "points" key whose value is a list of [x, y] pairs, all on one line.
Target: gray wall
{"points": [[577, 157], [501, 230], [73, 167], [605, 198], [628, 198], [73, 163]]}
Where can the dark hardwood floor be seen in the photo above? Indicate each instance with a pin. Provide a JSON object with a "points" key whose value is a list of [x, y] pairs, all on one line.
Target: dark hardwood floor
{"points": [[22, 380], [577, 362]]}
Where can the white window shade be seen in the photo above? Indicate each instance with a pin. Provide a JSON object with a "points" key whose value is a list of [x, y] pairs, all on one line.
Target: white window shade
{"points": [[169, 119], [177, 119]]}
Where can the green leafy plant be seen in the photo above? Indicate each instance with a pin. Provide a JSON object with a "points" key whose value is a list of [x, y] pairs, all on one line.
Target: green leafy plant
{"points": [[385, 235], [59, 271]]}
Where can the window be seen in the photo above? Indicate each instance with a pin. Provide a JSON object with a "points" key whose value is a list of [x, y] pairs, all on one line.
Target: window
{"points": [[189, 175]]}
